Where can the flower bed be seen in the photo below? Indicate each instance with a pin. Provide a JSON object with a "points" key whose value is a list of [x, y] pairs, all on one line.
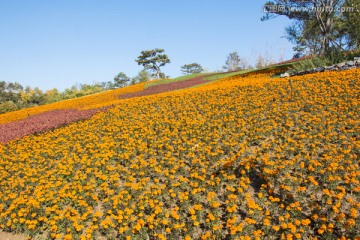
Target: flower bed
{"points": [[245, 157]]}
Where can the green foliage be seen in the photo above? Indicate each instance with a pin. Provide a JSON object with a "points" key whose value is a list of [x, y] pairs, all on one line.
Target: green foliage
{"points": [[9, 91], [13, 96], [311, 63], [37, 97], [142, 76], [317, 61], [153, 60], [86, 89], [52, 95], [121, 80], [215, 77], [206, 76], [351, 54], [319, 28], [305, 36], [7, 107], [351, 23], [191, 68]]}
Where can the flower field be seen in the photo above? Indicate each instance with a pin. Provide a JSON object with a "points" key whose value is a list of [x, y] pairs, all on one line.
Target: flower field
{"points": [[63, 113], [43, 122], [94, 101], [242, 158]]}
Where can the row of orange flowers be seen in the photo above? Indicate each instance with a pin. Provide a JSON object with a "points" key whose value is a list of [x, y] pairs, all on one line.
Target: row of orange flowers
{"points": [[240, 158], [87, 102]]}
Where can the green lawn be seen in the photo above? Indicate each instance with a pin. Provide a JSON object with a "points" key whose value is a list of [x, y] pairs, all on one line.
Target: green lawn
{"points": [[215, 77], [170, 80], [212, 76]]}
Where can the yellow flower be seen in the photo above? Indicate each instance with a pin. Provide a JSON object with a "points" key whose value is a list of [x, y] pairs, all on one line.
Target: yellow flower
{"points": [[276, 228], [266, 222]]}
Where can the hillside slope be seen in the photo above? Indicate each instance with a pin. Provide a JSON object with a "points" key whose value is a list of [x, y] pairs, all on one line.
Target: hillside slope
{"points": [[240, 157], [44, 118]]}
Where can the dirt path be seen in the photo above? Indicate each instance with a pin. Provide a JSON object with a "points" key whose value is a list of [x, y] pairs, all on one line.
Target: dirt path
{"points": [[9, 236]]}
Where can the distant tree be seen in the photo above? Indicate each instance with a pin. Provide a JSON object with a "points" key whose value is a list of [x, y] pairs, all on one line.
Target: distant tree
{"points": [[121, 80], [7, 107], [69, 93], [250, 67], [107, 85], [37, 96], [261, 62], [133, 81], [31, 97], [13, 96], [87, 89], [142, 76], [25, 95], [10, 91], [153, 60], [191, 68], [232, 62], [2, 91], [244, 64], [52, 95]]}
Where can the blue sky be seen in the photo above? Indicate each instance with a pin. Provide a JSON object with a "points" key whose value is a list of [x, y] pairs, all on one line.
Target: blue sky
{"points": [[58, 43]]}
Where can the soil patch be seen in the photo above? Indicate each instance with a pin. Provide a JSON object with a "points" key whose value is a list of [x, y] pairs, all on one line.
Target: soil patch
{"points": [[9, 236]]}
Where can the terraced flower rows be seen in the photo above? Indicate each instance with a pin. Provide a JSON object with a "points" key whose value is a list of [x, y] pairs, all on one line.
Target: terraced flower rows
{"points": [[43, 122], [94, 101], [166, 87], [43, 118], [242, 158]]}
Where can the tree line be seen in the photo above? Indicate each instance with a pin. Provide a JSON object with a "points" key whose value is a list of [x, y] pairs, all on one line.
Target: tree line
{"points": [[14, 96]]}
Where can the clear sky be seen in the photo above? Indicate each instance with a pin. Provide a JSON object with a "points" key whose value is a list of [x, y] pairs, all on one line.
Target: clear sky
{"points": [[58, 43]]}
